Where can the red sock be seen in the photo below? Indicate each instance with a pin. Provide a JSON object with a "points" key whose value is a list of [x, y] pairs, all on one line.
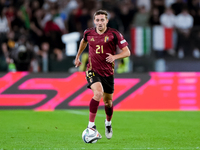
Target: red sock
{"points": [[109, 113], [93, 109]]}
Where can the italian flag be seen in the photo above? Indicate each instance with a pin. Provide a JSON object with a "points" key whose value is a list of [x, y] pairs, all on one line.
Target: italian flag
{"points": [[162, 38], [141, 41]]}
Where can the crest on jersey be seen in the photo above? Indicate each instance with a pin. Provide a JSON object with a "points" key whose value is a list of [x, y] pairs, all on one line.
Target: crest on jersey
{"points": [[92, 39], [106, 39]]}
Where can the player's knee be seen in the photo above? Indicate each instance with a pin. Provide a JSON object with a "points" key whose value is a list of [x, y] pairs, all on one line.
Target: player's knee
{"points": [[108, 104], [98, 94]]}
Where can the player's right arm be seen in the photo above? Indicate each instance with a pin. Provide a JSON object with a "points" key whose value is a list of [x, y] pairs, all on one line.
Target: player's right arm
{"points": [[82, 46]]}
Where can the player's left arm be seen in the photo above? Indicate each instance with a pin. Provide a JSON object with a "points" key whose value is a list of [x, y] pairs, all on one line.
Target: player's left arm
{"points": [[125, 53]]}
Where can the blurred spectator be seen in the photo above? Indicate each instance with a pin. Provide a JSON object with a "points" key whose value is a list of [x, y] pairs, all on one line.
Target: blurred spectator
{"points": [[18, 3], [22, 54], [23, 59], [10, 13], [18, 24], [73, 24], [154, 17], [178, 6], [195, 36], [4, 28], [26, 13], [146, 3], [167, 19], [69, 6], [4, 25], [98, 5], [184, 24], [108, 4], [44, 57], [54, 21], [114, 21], [197, 19], [126, 12], [168, 3], [3, 3], [78, 18], [159, 4], [7, 46], [9, 43], [54, 29], [34, 5], [193, 6], [36, 29], [141, 17], [84, 19]]}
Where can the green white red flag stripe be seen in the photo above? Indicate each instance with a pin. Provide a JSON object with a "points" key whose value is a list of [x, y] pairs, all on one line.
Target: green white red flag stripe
{"points": [[141, 41], [162, 38]]}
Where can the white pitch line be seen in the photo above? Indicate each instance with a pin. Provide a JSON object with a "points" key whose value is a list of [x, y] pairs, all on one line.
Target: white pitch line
{"points": [[82, 113]]}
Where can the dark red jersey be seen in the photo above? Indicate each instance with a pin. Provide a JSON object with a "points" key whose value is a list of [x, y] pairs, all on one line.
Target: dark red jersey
{"points": [[99, 45]]}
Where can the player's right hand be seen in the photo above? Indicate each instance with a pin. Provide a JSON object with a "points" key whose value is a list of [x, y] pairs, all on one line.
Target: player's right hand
{"points": [[77, 62]]}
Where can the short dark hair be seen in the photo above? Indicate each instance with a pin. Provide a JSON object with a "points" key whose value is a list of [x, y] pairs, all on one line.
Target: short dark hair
{"points": [[101, 12]]}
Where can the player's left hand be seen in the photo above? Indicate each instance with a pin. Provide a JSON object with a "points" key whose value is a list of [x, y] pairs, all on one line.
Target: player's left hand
{"points": [[110, 58]]}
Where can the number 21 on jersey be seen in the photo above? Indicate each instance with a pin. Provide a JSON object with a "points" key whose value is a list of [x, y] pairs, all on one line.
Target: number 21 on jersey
{"points": [[99, 49]]}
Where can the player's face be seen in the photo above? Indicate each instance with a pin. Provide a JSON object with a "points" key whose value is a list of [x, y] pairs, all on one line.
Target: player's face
{"points": [[101, 22]]}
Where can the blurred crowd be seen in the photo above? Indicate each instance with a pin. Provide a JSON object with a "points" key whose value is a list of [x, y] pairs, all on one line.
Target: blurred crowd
{"points": [[31, 30]]}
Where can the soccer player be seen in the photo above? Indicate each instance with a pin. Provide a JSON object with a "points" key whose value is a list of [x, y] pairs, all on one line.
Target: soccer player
{"points": [[103, 42]]}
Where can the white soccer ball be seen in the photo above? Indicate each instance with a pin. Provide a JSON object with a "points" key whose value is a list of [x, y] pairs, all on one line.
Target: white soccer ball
{"points": [[90, 135]]}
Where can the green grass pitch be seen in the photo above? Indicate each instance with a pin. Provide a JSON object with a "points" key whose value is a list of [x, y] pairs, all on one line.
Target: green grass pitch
{"points": [[132, 130]]}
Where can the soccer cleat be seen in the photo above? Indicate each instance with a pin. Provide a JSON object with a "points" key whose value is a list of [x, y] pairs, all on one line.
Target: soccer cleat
{"points": [[95, 128], [108, 131], [99, 135]]}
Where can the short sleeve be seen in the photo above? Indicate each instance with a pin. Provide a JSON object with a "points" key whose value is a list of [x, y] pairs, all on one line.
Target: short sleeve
{"points": [[85, 35], [121, 42]]}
